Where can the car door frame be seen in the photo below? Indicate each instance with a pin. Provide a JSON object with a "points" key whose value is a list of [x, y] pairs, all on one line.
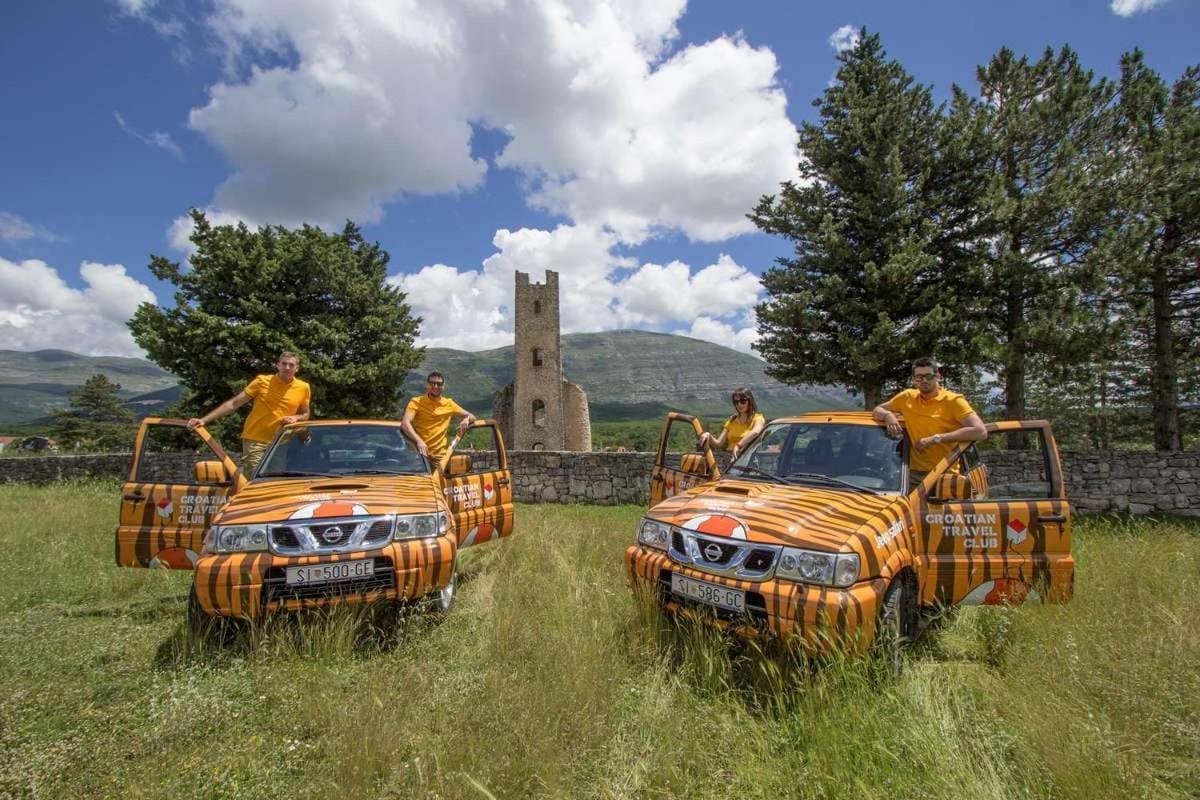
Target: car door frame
{"points": [[668, 481], [149, 531], [480, 503]]}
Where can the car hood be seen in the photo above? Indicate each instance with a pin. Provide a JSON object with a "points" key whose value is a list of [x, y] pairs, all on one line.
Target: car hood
{"points": [[819, 518], [280, 499]]}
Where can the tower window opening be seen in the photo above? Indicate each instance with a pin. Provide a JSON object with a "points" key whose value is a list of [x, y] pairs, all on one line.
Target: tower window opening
{"points": [[537, 356], [539, 413], [537, 306]]}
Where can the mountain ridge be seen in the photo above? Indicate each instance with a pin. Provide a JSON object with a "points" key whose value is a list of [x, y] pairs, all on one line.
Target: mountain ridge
{"points": [[628, 375]]}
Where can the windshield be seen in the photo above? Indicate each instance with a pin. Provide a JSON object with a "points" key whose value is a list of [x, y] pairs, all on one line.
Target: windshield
{"points": [[824, 453], [341, 450]]}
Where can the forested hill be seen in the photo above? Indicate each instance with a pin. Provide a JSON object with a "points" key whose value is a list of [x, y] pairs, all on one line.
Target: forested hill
{"points": [[628, 375], [635, 375]]}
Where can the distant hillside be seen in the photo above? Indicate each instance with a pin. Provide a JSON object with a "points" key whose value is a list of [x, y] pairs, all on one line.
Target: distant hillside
{"points": [[34, 384], [628, 375], [634, 375]]}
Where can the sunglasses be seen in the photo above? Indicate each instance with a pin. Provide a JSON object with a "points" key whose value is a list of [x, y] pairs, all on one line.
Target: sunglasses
{"points": [[436, 383], [740, 400]]}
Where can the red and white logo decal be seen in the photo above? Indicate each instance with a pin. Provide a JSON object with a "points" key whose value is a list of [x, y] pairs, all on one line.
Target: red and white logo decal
{"points": [[716, 525], [329, 508], [487, 491], [485, 532], [1017, 531], [175, 558], [164, 507]]}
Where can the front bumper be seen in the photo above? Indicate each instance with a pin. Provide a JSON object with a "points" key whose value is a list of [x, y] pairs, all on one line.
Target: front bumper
{"points": [[250, 585], [822, 618]]}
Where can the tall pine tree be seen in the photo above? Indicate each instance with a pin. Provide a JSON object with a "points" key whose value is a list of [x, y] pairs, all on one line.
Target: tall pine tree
{"points": [[883, 221]]}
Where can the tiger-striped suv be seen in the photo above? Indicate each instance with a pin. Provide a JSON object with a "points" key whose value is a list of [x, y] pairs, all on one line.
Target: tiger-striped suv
{"points": [[337, 512], [813, 533]]}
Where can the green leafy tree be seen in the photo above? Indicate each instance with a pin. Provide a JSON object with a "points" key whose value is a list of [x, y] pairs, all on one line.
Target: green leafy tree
{"points": [[1047, 128], [1153, 250], [885, 267], [249, 295], [95, 419]]}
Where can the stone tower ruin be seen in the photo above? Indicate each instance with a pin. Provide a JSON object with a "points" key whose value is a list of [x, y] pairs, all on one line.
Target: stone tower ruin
{"points": [[541, 410]]}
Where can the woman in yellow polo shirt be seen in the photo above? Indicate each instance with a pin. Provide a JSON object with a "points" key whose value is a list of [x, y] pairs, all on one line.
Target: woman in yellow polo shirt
{"points": [[744, 424]]}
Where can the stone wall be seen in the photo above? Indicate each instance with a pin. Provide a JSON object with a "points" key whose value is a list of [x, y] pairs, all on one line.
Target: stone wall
{"points": [[1140, 483]]}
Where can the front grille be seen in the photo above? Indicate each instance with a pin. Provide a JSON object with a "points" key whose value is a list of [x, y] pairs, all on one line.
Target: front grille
{"points": [[343, 535], [275, 588], [719, 555]]}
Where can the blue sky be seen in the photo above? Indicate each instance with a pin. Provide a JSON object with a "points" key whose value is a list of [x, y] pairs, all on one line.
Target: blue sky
{"points": [[620, 143]]}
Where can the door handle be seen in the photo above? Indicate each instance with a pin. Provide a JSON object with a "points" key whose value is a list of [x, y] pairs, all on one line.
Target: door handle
{"points": [[1052, 518], [502, 482], [134, 498]]}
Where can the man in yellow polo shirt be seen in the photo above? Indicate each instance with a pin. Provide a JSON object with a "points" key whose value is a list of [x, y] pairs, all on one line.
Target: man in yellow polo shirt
{"points": [[427, 417], [279, 400], [936, 418]]}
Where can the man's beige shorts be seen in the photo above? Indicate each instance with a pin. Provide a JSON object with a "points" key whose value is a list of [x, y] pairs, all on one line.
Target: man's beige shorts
{"points": [[252, 455]]}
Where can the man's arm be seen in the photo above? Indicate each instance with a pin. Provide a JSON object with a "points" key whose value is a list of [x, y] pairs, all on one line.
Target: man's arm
{"points": [[407, 426], [466, 421], [885, 416], [973, 430], [228, 407], [301, 415]]}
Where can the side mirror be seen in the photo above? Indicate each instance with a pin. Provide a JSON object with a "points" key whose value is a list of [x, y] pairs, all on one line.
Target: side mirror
{"points": [[951, 487], [211, 472], [459, 465], [693, 464]]}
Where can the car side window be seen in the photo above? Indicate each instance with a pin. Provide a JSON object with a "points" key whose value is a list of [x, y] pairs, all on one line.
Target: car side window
{"points": [[170, 454], [1017, 464], [480, 445]]}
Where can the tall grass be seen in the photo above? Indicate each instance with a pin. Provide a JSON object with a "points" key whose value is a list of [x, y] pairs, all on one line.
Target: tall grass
{"points": [[549, 679]]}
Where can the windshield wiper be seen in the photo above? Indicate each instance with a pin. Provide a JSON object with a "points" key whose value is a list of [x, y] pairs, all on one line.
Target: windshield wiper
{"points": [[756, 471], [296, 474], [831, 479]]}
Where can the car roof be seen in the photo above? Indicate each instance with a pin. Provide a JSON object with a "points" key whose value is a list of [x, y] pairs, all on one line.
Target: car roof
{"points": [[321, 423]]}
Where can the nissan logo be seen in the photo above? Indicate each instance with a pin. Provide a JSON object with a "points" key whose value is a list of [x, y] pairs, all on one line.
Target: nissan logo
{"points": [[332, 534], [712, 551]]}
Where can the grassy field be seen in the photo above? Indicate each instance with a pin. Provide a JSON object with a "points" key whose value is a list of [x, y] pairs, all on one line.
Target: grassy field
{"points": [[549, 680]]}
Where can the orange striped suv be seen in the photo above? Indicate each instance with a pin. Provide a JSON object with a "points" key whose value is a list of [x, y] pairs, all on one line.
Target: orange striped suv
{"points": [[815, 534], [337, 512]]}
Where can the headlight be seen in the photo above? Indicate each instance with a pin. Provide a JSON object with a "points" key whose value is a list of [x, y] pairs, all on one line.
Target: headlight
{"points": [[421, 526], [811, 566], [236, 538], [653, 533]]}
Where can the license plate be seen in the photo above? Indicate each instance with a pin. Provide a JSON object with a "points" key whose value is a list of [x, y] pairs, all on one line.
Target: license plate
{"points": [[720, 596], [328, 573]]}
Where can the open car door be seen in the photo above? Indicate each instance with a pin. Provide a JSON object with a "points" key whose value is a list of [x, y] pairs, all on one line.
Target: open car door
{"points": [[478, 484], [177, 481], [1001, 537], [674, 469]]}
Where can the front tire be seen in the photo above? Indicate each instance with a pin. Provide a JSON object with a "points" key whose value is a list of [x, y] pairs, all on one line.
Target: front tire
{"points": [[441, 603], [205, 628], [896, 628]]}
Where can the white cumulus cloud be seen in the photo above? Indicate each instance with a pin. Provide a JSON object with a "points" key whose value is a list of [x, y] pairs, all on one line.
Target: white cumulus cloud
{"points": [[38, 310], [598, 290], [845, 38], [609, 126], [1127, 8]]}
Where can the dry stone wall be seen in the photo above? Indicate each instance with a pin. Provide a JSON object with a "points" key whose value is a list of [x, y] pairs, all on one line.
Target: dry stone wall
{"points": [[1139, 483]]}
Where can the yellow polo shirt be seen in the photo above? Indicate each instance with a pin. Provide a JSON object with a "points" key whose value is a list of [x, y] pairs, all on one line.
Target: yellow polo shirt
{"points": [[273, 400], [431, 420], [735, 431], [944, 412]]}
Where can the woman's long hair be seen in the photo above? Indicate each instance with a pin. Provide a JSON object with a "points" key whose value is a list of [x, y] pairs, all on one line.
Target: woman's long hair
{"points": [[742, 393]]}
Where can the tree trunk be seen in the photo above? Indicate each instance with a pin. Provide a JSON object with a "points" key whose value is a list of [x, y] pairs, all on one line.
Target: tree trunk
{"points": [[1164, 382], [1014, 363], [872, 393]]}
